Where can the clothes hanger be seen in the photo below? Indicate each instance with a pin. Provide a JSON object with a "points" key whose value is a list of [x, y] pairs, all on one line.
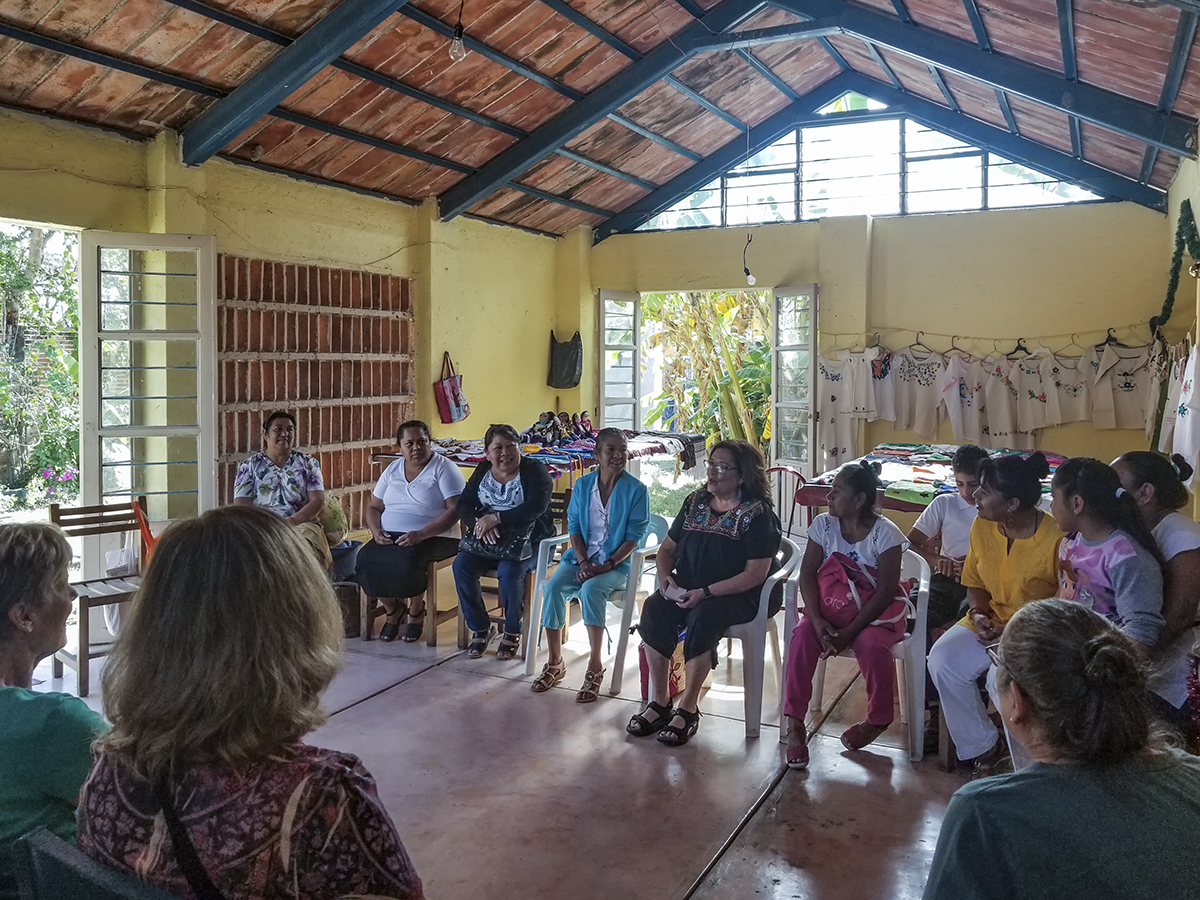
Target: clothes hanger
{"points": [[1074, 343], [1111, 340], [918, 345], [1020, 348], [954, 348]]}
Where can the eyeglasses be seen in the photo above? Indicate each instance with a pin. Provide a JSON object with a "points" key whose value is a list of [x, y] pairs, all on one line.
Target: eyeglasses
{"points": [[721, 468], [993, 652]]}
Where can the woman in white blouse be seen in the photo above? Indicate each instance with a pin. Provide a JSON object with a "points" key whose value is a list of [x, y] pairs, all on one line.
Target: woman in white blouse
{"points": [[1158, 487], [413, 520]]}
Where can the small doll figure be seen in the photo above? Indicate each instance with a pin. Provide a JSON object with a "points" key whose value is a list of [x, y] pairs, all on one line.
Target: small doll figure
{"points": [[565, 433], [585, 425]]}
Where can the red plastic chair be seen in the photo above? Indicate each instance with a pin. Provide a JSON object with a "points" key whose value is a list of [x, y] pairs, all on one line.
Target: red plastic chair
{"points": [[148, 538]]}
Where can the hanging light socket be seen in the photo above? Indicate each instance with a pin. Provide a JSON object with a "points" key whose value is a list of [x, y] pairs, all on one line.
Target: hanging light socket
{"points": [[458, 50], [750, 279]]}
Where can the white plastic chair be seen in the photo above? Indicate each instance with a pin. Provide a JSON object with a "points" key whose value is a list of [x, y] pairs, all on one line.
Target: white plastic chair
{"points": [[909, 652], [648, 548], [753, 636]]}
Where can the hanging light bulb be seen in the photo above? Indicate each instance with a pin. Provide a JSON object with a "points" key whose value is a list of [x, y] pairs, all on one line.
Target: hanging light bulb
{"points": [[750, 279], [458, 50]]}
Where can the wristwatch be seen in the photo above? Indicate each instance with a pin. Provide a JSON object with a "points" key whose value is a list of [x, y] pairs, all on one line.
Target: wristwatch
{"points": [[708, 593]]}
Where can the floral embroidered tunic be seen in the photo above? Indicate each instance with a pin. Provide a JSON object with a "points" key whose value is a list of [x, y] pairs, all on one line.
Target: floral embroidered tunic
{"points": [[304, 825], [281, 489]]}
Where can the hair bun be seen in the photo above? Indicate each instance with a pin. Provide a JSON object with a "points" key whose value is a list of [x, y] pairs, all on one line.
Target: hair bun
{"points": [[871, 466], [1107, 664], [1181, 466], [1037, 465]]}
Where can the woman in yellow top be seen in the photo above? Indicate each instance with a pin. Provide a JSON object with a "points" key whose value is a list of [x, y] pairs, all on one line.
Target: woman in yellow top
{"points": [[1013, 560]]}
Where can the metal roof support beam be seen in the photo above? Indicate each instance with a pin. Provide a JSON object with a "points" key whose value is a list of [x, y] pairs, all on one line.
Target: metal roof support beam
{"points": [[882, 63], [1076, 137], [562, 201], [1006, 110], [1185, 34], [1140, 121], [941, 83], [765, 71], [606, 99], [1066, 37], [703, 102], [341, 28], [981, 35], [1009, 146], [834, 54], [761, 37], [901, 10], [732, 154], [657, 138]]}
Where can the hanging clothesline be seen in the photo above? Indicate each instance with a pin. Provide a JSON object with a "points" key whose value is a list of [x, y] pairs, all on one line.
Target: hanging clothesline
{"points": [[989, 339]]}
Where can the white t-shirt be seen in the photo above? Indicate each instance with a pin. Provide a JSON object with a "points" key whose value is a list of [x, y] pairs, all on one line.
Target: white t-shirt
{"points": [[884, 535], [410, 505], [952, 517], [1175, 534], [597, 525]]}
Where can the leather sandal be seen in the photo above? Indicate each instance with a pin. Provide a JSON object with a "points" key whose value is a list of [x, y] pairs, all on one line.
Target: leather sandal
{"points": [[641, 726], [860, 734], [551, 675], [676, 736], [389, 631], [507, 648], [412, 631], [591, 686], [480, 641]]}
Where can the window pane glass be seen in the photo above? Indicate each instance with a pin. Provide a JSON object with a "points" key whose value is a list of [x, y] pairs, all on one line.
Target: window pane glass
{"points": [[148, 383], [781, 154], [761, 198], [1012, 184], [619, 416], [921, 140], [945, 184], [144, 290], [851, 169], [793, 376], [791, 435], [793, 311], [701, 208], [164, 469]]}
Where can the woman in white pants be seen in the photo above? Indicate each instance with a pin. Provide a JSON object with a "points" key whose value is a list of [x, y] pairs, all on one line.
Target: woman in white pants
{"points": [[1012, 560]]}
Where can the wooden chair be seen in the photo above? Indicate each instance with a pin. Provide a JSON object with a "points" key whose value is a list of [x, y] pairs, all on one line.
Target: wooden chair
{"points": [[785, 483], [372, 609], [88, 521]]}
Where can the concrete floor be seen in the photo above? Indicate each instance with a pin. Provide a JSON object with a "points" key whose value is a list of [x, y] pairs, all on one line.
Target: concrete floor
{"points": [[499, 792]]}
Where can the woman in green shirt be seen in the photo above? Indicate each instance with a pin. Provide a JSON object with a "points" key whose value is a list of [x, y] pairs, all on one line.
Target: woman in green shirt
{"points": [[45, 741]]}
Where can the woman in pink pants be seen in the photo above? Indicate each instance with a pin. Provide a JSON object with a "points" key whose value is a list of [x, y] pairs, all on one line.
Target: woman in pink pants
{"points": [[854, 527]]}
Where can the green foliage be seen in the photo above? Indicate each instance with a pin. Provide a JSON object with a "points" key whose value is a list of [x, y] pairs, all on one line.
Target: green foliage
{"points": [[39, 394], [666, 499], [717, 362]]}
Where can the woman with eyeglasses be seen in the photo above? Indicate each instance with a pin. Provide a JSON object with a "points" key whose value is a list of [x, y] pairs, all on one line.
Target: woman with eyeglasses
{"points": [[1103, 811], [711, 566]]}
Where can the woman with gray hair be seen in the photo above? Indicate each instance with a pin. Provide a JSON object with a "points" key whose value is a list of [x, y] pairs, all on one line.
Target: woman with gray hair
{"points": [[1102, 812], [46, 738]]}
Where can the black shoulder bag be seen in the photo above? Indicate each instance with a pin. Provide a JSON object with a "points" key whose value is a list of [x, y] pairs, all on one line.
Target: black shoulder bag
{"points": [[185, 851]]}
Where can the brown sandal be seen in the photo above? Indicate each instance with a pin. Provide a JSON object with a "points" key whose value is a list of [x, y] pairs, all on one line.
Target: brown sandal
{"points": [[551, 675], [591, 686]]}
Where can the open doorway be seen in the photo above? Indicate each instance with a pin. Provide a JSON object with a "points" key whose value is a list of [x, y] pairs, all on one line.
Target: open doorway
{"points": [[727, 364], [39, 370]]}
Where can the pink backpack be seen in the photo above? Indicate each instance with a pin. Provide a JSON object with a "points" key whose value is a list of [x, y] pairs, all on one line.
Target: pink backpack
{"points": [[844, 582]]}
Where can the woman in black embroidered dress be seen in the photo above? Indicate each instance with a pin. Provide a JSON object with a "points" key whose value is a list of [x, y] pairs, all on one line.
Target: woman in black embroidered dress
{"points": [[711, 568]]}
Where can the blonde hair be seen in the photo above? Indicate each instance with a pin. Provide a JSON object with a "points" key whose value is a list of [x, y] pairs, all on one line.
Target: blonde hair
{"points": [[34, 557], [234, 633]]}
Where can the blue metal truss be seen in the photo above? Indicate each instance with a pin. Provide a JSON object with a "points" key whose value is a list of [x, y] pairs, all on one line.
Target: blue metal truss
{"points": [[941, 85], [1185, 34], [607, 98], [1066, 37], [882, 63], [1006, 110], [981, 35], [955, 124], [732, 154], [1140, 121], [765, 71], [340, 29]]}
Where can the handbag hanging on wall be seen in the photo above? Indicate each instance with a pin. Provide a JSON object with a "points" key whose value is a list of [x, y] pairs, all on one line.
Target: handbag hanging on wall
{"points": [[451, 401], [566, 362]]}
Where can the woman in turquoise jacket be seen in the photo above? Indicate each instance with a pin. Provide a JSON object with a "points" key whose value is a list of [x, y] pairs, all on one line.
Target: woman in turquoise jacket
{"points": [[607, 518]]}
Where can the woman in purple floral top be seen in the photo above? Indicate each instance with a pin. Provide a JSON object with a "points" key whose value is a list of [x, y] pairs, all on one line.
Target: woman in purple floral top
{"points": [[210, 688], [285, 481]]}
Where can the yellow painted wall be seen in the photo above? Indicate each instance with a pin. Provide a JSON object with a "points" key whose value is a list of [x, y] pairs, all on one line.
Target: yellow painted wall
{"points": [[1000, 274]]}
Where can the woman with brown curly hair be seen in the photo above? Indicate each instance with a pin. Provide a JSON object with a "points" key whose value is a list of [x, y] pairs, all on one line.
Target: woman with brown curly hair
{"points": [[211, 686], [711, 567]]}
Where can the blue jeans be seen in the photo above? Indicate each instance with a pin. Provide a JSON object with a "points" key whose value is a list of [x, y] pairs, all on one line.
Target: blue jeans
{"points": [[467, 569], [593, 595]]}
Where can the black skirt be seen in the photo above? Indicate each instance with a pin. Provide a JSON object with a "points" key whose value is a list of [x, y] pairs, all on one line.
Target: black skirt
{"points": [[386, 570]]}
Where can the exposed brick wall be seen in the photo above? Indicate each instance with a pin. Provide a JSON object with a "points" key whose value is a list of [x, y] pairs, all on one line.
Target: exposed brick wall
{"points": [[331, 346]]}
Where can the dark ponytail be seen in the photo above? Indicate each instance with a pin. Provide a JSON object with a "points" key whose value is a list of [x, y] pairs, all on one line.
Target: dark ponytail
{"points": [[1167, 477], [1105, 499], [1016, 476]]}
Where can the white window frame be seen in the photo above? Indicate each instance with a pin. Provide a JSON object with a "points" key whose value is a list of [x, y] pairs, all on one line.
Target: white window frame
{"points": [[806, 467], [636, 348], [92, 430]]}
